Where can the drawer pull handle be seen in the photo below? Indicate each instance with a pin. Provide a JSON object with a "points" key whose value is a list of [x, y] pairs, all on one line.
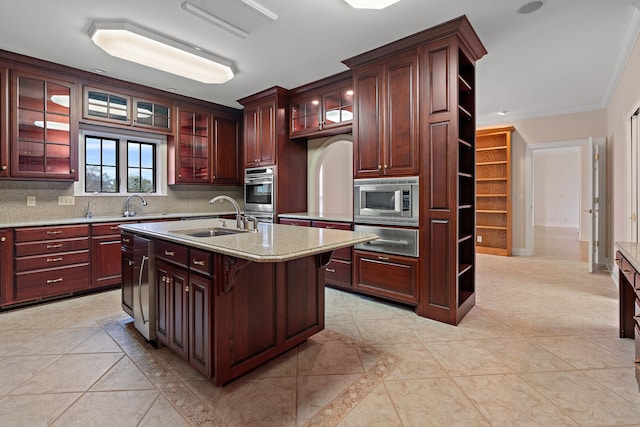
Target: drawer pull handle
{"points": [[126, 240], [114, 228], [626, 271], [54, 259], [196, 262], [330, 270], [131, 262], [53, 233], [169, 253], [51, 281], [636, 318], [54, 246], [383, 258]]}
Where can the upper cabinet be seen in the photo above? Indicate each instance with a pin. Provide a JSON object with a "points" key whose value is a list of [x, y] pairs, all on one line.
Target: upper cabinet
{"points": [[44, 127], [322, 108], [4, 122], [264, 126], [226, 151], [386, 109], [193, 148], [124, 110]]}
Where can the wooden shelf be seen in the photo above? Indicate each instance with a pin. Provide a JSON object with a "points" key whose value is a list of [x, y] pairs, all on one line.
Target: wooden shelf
{"points": [[465, 112], [493, 191], [463, 268], [464, 85], [465, 143], [465, 175]]}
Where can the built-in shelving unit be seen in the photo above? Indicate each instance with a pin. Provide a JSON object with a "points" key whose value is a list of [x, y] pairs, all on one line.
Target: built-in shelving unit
{"points": [[493, 191]]}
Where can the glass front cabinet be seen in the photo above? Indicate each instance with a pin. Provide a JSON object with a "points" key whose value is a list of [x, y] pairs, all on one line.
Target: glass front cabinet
{"points": [[193, 148], [44, 128]]}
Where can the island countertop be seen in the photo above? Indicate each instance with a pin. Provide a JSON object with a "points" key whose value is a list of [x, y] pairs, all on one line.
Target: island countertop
{"points": [[270, 243]]}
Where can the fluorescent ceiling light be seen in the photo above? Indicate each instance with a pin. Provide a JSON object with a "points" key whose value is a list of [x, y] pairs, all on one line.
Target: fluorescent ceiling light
{"points": [[371, 4], [52, 125], [127, 41], [260, 9], [218, 22], [62, 100]]}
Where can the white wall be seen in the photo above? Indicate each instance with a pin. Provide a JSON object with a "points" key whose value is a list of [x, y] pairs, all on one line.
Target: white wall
{"points": [[556, 184], [330, 175]]}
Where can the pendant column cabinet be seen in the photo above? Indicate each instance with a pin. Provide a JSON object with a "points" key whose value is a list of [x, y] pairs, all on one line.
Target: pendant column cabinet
{"points": [[444, 116], [493, 191]]}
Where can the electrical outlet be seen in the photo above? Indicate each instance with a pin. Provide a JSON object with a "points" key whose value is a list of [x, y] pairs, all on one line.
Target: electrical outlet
{"points": [[479, 239], [66, 201], [31, 200]]}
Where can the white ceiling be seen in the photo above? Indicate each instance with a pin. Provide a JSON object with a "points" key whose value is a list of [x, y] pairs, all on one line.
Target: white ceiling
{"points": [[564, 58]]}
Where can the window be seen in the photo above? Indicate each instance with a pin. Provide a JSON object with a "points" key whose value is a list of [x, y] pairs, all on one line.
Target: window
{"points": [[121, 164]]}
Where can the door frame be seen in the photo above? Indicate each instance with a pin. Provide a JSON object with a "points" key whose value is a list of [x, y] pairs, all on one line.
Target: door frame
{"points": [[529, 150]]}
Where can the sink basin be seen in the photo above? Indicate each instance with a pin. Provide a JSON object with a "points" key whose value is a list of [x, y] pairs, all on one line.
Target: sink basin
{"points": [[210, 232]]}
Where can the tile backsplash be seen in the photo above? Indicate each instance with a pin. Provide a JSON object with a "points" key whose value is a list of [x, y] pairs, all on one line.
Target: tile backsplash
{"points": [[180, 199]]}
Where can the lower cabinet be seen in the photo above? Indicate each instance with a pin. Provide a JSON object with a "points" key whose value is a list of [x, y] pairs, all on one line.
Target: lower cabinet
{"points": [[6, 266], [105, 255], [184, 306], [390, 276]]}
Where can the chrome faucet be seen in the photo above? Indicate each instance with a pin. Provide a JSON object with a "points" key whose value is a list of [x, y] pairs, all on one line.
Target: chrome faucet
{"points": [[235, 205], [89, 214], [127, 211]]}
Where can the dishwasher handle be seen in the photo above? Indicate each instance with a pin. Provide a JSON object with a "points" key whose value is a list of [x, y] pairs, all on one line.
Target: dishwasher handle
{"points": [[144, 259]]}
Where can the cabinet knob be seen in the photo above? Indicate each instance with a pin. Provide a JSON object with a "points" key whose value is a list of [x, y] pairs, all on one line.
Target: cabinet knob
{"points": [[3, 239], [386, 166], [131, 262], [179, 175], [379, 167], [73, 171], [4, 167], [186, 288]]}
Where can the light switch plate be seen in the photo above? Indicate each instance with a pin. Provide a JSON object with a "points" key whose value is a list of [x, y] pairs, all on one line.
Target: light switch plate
{"points": [[479, 239], [31, 200]]}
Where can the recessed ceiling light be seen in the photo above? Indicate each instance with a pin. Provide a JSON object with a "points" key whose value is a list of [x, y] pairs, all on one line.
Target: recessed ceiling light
{"points": [[502, 113], [100, 70], [370, 4], [530, 7], [127, 41]]}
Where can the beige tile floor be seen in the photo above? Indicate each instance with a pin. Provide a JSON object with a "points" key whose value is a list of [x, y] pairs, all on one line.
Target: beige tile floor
{"points": [[541, 347]]}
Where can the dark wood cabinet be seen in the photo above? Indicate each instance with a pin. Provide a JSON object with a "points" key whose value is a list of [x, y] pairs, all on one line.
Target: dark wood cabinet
{"points": [[226, 163], [322, 108], [104, 105], [386, 128], [193, 148], [184, 303], [51, 261], [260, 133], [4, 122], [390, 276], [152, 114], [128, 278], [44, 138], [6, 266], [105, 254]]}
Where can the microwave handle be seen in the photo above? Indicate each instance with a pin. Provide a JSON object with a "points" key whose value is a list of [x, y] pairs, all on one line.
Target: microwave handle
{"points": [[387, 242]]}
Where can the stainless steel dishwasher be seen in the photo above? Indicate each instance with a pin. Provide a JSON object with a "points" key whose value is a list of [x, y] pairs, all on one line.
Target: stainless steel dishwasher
{"points": [[144, 291]]}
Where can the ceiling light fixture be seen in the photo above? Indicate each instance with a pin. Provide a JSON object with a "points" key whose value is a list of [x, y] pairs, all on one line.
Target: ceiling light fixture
{"points": [[530, 7], [502, 113], [127, 41], [370, 4], [212, 19], [259, 9]]}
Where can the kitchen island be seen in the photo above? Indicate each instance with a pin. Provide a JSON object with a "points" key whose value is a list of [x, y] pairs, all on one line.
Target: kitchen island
{"points": [[229, 300]]}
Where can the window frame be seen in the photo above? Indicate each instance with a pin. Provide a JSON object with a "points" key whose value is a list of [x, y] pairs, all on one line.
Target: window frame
{"points": [[122, 136]]}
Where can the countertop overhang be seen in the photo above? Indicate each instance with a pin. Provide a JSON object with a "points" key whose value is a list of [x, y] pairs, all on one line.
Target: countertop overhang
{"points": [[631, 251], [270, 243]]}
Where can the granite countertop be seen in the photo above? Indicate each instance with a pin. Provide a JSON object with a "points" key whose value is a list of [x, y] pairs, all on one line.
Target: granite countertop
{"points": [[270, 243], [338, 217], [631, 251], [100, 219]]}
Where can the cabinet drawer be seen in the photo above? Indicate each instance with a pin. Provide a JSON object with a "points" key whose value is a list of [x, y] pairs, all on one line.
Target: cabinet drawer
{"points": [[105, 229], [51, 246], [38, 262], [628, 271], [388, 276], [338, 272], [200, 261], [295, 221], [331, 224], [50, 233], [126, 240], [172, 252], [44, 283]]}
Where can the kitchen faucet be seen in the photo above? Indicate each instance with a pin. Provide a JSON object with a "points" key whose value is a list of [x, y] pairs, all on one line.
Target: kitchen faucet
{"points": [[239, 219], [127, 211]]}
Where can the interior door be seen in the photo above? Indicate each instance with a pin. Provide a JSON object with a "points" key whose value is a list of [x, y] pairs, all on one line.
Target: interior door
{"points": [[594, 197]]}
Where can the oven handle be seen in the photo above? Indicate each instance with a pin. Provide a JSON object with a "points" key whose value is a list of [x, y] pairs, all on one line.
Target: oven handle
{"points": [[387, 242], [258, 180]]}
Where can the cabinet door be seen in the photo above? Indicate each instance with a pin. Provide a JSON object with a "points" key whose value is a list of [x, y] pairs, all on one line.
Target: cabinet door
{"points": [[401, 116], [306, 115], [45, 128], [367, 127], [163, 301], [388, 276], [193, 148], [251, 154], [225, 158], [152, 114], [105, 260], [178, 311], [199, 323], [106, 106], [127, 282], [4, 122], [6, 264], [267, 133], [337, 108]]}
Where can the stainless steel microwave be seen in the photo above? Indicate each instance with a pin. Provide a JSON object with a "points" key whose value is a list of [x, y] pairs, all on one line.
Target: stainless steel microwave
{"points": [[393, 201]]}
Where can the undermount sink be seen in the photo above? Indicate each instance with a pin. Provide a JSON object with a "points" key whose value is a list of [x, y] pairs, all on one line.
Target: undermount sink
{"points": [[210, 232]]}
